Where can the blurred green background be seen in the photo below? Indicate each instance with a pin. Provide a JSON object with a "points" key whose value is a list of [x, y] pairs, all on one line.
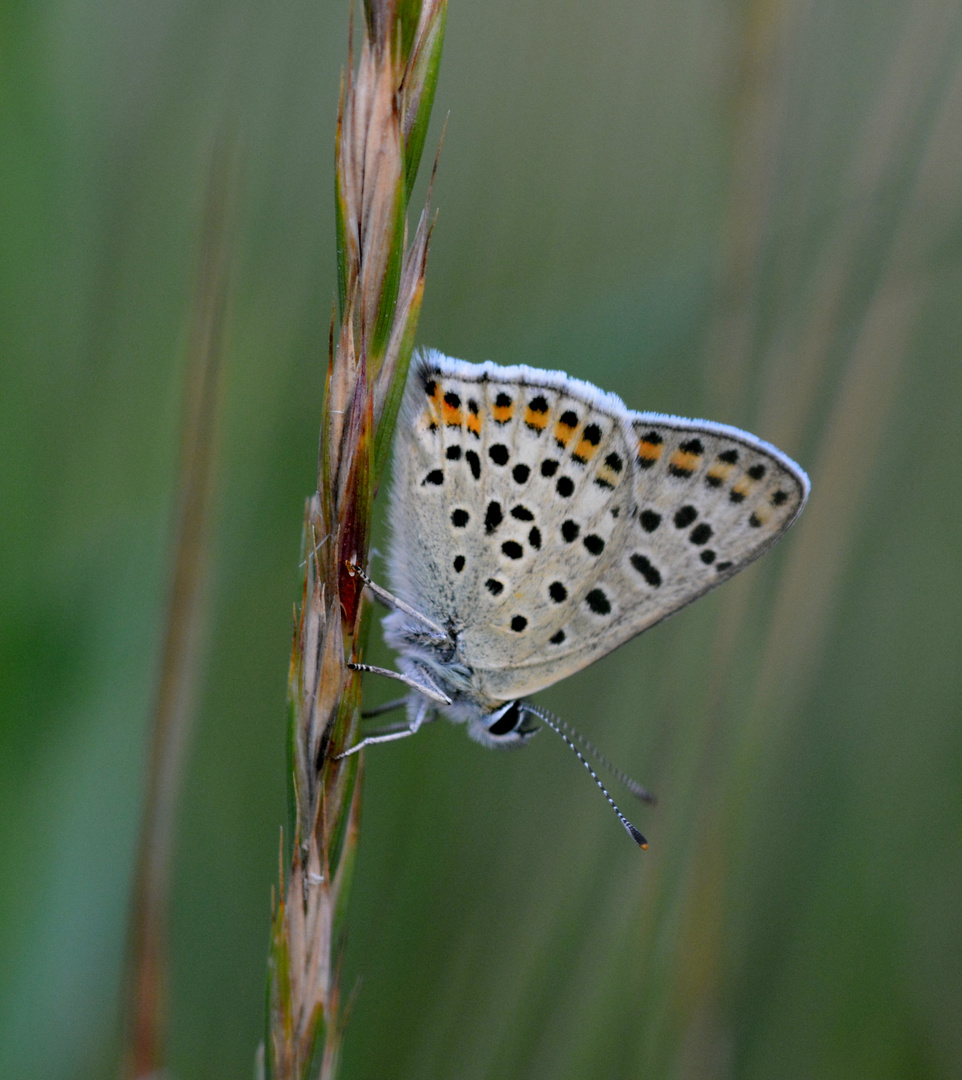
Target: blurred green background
{"points": [[746, 211]]}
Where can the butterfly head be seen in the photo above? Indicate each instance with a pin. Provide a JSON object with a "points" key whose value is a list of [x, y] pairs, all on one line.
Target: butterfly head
{"points": [[510, 725]]}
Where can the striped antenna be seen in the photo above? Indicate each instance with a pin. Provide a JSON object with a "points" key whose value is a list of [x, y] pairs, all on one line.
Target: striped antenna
{"points": [[561, 728]]}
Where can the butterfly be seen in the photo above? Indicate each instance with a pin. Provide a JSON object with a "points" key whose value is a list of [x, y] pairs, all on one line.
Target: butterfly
{"points": [[537, 523]]}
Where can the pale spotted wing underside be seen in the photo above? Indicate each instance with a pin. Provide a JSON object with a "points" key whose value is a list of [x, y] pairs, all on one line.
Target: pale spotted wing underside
{"points": [[546, 523]]}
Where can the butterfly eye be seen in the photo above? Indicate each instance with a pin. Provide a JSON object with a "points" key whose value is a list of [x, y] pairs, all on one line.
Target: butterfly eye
{"points": [[507, 721], [511, 725]]}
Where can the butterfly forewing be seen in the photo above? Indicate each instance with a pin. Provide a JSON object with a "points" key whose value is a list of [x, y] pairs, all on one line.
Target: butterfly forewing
{"points": [[710, 500], [707, 501]]}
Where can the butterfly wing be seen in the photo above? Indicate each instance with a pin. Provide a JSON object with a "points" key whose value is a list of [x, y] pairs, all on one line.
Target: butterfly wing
{"points": [[546, 524]]}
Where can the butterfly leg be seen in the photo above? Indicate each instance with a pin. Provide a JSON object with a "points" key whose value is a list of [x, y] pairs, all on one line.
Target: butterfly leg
{"points": [[399, 731], [391, 601], [380, 710], [424, 685]]}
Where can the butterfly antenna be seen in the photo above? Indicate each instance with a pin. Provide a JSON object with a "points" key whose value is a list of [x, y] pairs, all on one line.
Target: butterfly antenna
{"points": [[589, 747], [558, 726]]}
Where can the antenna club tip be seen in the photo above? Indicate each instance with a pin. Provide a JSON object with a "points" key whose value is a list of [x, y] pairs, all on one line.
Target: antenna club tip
{"points": [[636, 836]]}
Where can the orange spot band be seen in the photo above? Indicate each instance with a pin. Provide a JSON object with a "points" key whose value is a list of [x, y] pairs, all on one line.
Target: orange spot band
{"points": [[585, 450], [563, 432], [685, 461]]}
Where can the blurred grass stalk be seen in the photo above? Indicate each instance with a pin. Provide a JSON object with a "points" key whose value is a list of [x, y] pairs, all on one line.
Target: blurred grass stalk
{"points": [[382, 123], [911, 145], [146, 1013]]}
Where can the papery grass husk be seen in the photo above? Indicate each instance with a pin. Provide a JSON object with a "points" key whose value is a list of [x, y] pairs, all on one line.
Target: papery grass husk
{"points": [[382, 125]]}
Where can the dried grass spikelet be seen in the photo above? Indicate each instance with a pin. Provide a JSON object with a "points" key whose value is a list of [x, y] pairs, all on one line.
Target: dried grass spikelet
{"points": [[382, 123]]}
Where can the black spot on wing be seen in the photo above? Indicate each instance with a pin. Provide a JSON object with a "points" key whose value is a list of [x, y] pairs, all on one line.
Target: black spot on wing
{"points": [[598, 602], [701, 534], [648, 571], [493, 517]]}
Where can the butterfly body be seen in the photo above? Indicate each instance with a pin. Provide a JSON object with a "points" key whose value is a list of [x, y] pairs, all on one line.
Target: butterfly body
{"points": [[538, 523]]}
